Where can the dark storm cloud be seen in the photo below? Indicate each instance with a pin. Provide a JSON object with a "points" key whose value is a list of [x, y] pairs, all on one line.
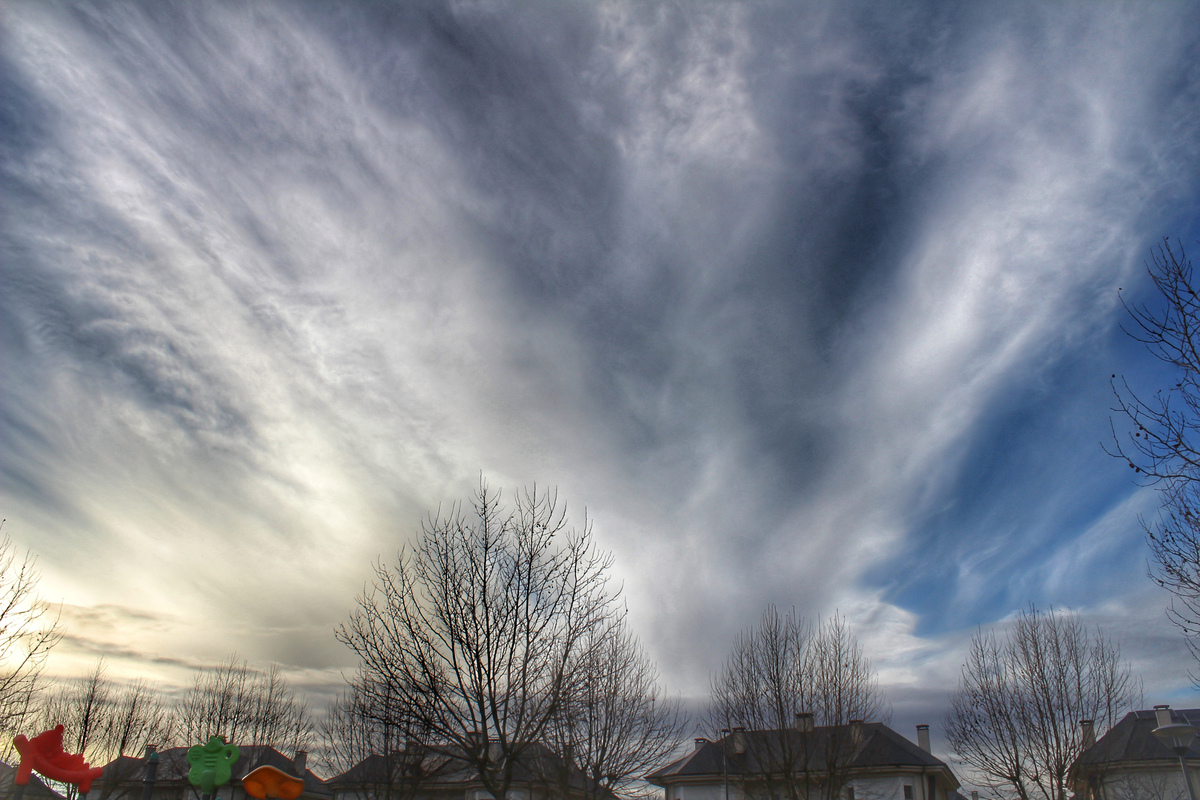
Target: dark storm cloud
{"points": [[797, 300]]}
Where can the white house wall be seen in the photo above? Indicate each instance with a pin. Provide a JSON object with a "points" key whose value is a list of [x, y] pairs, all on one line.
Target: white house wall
{"points": [[886, 787], [1144, 785], [471, 794], [891, 787], [709, 791]]}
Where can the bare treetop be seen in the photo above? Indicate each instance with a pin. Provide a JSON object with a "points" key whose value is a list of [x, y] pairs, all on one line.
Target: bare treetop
{"points": [[1161, 442], [781, 676], [245, 705], [27, 632], [1015, 719], [474, 631]]}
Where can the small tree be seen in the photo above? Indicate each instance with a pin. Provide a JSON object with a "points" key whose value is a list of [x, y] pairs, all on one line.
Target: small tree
{"points": [[1162, 441], [475, 630], [1015, 718], [783, 679], [614, 725], [246, 706], [27, 632]]}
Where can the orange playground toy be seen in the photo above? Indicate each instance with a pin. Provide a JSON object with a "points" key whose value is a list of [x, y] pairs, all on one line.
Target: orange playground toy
{"points": [[267, 781]]}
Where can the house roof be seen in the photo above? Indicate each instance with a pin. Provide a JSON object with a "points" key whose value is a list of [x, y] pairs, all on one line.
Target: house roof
{"points": [[878, 746], [173, 766], [36, 790], [444, 766], [1132, 739]]}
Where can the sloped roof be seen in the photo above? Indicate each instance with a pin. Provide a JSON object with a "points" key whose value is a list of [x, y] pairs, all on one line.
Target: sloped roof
{"points": [[447, 766], [36, 790], [879, 746], [1132, 739], [378, 769], [173, 766]]}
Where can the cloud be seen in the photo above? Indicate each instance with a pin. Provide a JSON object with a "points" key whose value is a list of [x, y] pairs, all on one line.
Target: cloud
{"points": [[800, 306]]}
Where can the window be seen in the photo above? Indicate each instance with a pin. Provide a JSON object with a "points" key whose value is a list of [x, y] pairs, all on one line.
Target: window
{"points": [[908, 795]]}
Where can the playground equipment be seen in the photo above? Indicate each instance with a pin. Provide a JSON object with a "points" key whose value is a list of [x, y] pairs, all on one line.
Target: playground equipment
{"points": [[44, 754], [212, 764], [267, 781]]}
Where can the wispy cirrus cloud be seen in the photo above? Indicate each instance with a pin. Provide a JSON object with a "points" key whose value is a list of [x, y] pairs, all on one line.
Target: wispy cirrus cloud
{"points": [[805, 307]]}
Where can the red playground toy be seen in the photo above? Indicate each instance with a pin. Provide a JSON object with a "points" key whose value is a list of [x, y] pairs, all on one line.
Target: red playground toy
{"points": [[44, 753]]}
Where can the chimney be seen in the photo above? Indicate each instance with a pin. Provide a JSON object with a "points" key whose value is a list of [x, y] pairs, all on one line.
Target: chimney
{"points": [[299, 763], [411, 755], [700, 742], [739, 740], [1163, 715], [804, 721], [923, 737], [856, 730], [1087, 731], [974, 795]]}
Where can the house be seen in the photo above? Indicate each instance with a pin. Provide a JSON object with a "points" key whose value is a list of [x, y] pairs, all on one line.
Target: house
{"points": [[431, 773], [858, 761], [124, 777], [1130, 762]]}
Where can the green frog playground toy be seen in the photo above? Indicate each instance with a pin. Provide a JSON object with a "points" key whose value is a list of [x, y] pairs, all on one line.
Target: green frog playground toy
{"points": [[212, 764]]}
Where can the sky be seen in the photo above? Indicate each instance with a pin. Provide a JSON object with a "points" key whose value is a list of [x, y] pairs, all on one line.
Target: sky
{"points": [[812, 304]]}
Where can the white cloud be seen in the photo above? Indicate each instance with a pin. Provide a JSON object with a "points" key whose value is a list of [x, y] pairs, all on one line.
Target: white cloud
{"points": [[291, 293]]}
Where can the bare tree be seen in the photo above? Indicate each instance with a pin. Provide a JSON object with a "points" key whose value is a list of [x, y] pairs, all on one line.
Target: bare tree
{"points": [[761, 685], [476, 627], [27, 632], [138, 718], [614, 725], [844, 687], [246, 706], [82, 707], [367, 736], [104, 720], [801, 696], [1161, 443], [358, 724], [1015, 718]]}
